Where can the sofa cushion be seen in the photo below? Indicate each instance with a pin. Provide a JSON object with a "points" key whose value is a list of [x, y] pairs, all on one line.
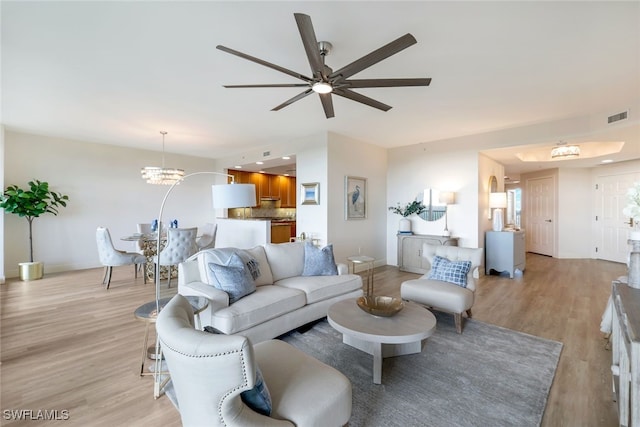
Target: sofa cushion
{"points": [[285, 259], [257, 253], [267, 302], [449, 271], [234, 278], [319, 288], [318, 262]]}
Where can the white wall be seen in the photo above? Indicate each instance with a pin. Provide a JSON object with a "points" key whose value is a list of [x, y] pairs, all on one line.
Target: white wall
{"points": [[105, 189], [413, 168], [349, 157], [2, 186]]}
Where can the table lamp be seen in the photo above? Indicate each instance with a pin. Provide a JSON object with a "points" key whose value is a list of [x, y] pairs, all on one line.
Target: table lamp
{"points": [[498, 201]]}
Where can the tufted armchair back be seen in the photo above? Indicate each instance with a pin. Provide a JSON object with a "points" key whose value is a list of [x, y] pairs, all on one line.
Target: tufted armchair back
{"points": [[109, 255], [181, 244]]}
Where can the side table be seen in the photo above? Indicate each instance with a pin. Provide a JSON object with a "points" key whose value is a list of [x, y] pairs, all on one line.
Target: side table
{"points": [[368, 261], [148, 314]]}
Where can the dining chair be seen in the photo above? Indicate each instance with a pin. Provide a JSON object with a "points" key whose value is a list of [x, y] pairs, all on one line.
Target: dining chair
{"points": [[207, 238], [143, 228], [111, 257], [181, 244]]}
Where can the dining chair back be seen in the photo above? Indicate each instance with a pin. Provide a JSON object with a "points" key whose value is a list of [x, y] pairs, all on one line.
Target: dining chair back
{"points": [[143, 228], [181, 244], [111, 257], [207, 239]]}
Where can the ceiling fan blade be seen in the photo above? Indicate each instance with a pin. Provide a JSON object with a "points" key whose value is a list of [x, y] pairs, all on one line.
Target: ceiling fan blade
{"points": [[384, 83], [292, 100], [354, 96], [267, 85], [310, 43], [265, 63], [327, 104], [374, 57]]}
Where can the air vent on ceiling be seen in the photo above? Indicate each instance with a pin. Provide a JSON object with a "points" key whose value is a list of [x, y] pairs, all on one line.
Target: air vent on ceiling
{"points": [[266, 153], [617, 117]]}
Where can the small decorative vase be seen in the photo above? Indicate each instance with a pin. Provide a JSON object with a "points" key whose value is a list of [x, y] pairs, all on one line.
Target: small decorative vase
{"points": [[404, 226]]}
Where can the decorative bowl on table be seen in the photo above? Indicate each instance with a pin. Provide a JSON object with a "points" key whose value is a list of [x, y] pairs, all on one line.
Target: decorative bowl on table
{"points": [[380, 305]]}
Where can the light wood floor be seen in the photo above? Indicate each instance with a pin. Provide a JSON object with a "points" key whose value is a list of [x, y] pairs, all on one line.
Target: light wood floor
{"points": [[68, 344]]}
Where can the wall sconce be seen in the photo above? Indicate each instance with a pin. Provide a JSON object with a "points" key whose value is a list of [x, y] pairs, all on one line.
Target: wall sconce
{"points": [[447, 198], [498, 201]]}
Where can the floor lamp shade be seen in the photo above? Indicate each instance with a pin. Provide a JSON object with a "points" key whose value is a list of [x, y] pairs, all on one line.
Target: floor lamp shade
{"points": [[233, 195], [498, 201]]}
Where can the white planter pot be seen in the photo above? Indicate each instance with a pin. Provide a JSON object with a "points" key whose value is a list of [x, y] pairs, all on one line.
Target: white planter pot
{"points": [[31, 270], [405, 225]]}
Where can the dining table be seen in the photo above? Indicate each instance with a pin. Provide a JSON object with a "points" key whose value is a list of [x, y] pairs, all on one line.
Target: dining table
{"points": [[149, 245]]}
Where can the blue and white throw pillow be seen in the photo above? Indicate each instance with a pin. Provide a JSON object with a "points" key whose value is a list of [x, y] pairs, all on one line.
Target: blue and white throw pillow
{"points": [[234, 278], [449, 271], [319, 262], [258, 398]]}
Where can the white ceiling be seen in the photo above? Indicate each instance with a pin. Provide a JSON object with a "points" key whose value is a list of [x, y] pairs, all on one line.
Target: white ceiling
{"points": [[119, 72]]}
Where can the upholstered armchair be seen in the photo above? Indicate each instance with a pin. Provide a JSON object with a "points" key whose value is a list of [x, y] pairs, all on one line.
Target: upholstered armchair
{"points": [[450, 284], [181, 244], [111, 257], [210, 371]]}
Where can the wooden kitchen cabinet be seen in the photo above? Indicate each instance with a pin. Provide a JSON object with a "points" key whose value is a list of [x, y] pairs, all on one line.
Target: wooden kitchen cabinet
{"points": [[271, 186]]}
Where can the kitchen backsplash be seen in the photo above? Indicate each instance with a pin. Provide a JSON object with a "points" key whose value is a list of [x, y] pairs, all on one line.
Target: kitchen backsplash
{"points": [[263, 213]]}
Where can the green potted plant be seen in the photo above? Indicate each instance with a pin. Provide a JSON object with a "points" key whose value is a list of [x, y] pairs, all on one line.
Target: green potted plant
{"points": [[30, 204], [412, 208]]}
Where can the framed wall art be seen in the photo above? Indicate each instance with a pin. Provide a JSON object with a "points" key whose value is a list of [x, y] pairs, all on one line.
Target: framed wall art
{"points": [[355, 197], [310, 193]]}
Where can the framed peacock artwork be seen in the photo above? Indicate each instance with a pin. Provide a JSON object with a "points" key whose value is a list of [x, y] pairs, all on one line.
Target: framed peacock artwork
{"points": [[355, 197]]}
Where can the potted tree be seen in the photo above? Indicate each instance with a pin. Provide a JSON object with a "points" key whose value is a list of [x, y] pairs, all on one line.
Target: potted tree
{"points": [[414, 207], [30, 204]]}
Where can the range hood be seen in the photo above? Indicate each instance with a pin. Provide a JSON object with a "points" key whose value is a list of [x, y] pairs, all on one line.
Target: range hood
{"points": [[270, 202]]}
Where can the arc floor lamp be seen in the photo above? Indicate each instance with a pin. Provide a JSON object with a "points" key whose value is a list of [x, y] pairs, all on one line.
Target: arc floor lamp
{"points": [[224, 196]]}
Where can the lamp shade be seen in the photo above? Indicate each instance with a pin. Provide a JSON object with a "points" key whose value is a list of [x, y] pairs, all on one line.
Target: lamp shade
{"points": [[233, 195], [498, 200], [447, 197]]}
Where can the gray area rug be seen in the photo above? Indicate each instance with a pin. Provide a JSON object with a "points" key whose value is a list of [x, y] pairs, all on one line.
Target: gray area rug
{"points": [[487, 376]]}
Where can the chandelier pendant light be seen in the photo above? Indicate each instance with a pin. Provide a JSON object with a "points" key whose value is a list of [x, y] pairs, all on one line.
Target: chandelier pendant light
{"points": [[161, 175], [564, 151]]}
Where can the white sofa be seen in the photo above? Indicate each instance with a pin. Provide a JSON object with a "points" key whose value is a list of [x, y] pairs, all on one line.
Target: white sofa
{"points": [[283, 300]]}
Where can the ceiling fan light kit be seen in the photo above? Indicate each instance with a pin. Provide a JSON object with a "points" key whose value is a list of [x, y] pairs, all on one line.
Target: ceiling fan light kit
{"points": [[326, 82]]}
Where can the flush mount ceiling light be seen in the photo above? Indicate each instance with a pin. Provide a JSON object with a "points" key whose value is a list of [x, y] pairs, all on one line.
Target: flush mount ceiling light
{"points": [[161, 175], [565, 151]]}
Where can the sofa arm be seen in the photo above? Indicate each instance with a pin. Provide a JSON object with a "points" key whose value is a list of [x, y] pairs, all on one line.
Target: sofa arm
{"points": [[342, 268], [217, 299]]}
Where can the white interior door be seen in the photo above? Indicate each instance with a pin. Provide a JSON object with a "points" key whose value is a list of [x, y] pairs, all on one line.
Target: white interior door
{"points": [[540, 209], [612, 227]]}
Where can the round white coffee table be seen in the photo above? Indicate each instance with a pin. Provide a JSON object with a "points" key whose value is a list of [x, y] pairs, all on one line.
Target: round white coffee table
{"points": [[382, 336]]}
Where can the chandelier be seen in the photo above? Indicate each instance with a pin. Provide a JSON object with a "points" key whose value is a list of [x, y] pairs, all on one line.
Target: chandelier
{"points": [[161, 175], [564, 151]]}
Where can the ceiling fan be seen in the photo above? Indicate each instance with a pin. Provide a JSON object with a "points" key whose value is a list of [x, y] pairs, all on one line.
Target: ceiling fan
{"points": [[324, 80]]}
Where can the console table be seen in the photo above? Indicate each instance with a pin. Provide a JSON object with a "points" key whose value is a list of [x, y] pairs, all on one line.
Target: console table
{"points": [[410, 250], [504, 251], [625, 338]]}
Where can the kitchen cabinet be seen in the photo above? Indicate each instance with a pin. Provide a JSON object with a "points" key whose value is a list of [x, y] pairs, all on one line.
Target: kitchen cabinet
{"points": [[410, 251], [504, 251], [267, 185], [280, 232]]}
